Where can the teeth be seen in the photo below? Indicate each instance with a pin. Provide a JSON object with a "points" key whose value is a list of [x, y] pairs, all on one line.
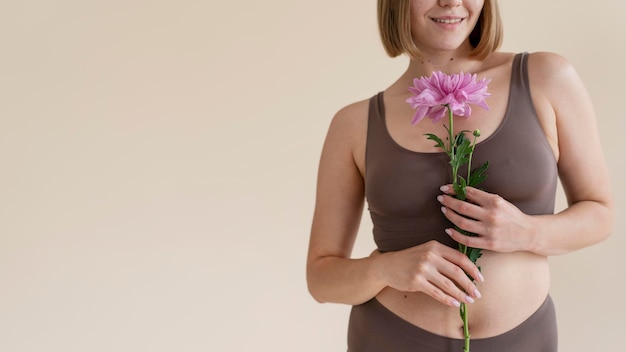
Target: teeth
{"points": [[457, 20]]}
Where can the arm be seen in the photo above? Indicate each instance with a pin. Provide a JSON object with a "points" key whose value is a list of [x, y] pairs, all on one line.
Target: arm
{"points": [[582, 168], [559, 96], [332, 276]]}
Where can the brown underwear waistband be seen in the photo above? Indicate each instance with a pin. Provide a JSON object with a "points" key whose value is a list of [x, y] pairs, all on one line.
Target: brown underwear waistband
{"points": [[375, 328]]}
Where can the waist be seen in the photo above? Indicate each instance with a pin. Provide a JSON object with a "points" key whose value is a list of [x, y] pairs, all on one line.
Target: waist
{"points": [[516, 285], [393, 233]]}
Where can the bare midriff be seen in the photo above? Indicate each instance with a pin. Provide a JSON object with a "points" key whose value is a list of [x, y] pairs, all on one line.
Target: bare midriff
{"points": [[516, 284]]}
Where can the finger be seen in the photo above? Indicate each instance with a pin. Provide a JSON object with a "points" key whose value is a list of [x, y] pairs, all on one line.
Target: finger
{"points": [[450, 288], [481, 197], [470, 241], [458, 285], [462, 222], [462, 207], [439, 295], [464, 265], [447, 189]]}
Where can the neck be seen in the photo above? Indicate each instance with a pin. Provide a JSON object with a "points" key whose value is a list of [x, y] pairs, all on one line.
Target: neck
{"points": [[446, 64], [449, 62], [424, 67]]}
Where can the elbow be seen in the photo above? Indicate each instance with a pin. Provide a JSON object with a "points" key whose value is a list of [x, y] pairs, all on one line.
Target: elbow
{"points": [[313, 285], [608, 221], [316, 296], [605, 220], [601, 216], [315, 291]]}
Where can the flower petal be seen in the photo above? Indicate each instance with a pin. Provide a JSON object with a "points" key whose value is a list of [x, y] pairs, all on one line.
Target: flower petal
{"points": [[457, 91], [420, 112]]}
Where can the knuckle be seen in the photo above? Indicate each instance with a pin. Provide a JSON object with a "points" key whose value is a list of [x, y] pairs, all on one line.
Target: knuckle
{"points": [[498, 201], [490, 243], [459, 258], [492, 218], [464, 207], [464, 223], [416, 283], [430, 255], [472, 242], [467, 263], [431, 245], [458, 272], [438, 294], [420, 269], [449, 287]]}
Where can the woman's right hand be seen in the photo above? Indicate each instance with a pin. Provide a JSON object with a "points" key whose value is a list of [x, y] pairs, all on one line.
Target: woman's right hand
{"points": [[434, 269]]}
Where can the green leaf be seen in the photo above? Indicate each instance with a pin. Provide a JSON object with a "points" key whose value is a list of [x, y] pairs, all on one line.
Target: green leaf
{"points": [[478, 175], [464, 149], [474, 253], [459, 188], [437, 140], [460, 138]]}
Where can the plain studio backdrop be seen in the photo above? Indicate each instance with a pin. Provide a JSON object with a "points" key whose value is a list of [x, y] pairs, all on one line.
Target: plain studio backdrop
{"points": [[158, 163]]}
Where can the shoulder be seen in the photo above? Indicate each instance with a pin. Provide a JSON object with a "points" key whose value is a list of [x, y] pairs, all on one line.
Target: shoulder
{"points": [[350, 120], [546, 59], [549, 70], [553, 78], [347, 135], [560, 93], [354, 113]]}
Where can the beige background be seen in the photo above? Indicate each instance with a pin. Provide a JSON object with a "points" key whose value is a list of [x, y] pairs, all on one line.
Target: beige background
{"points": [[158, 164]]}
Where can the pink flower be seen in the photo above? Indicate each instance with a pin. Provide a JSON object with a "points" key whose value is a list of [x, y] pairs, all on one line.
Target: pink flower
{"points": [[432, 94]]}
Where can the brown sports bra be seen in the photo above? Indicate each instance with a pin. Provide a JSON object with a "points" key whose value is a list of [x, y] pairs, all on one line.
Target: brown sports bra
{"points": [[401, 186]]}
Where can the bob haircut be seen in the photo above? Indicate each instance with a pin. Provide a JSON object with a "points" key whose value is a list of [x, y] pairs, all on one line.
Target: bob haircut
{"points": [[394, 23]]}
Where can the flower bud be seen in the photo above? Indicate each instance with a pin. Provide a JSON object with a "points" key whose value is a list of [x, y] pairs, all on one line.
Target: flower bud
{"points": [[476, 133]]}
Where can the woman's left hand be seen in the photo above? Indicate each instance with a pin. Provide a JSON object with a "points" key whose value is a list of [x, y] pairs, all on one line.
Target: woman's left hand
{"points": [[500, 226]]}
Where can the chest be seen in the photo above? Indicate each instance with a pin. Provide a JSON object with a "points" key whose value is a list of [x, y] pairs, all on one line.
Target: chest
{"points": [[398, 116]]}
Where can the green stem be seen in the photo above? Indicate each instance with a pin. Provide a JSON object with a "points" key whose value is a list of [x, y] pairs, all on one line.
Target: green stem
{"points": [[452, 141], [469, 163], [466, 347], [462, 248]]}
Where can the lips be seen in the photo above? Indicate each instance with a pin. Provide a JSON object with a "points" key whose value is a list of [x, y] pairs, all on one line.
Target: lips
{"points": [[447, 20]]}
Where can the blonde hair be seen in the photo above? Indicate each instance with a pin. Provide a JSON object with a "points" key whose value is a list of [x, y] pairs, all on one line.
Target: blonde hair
{"points": [[394, 23]]}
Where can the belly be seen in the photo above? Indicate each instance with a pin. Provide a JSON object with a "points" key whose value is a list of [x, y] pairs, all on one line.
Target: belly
{"points": [[516, 284]]}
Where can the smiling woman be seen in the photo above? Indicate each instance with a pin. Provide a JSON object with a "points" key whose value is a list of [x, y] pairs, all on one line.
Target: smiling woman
{"points": [[158, 169], [394, 15], [405, 295]]}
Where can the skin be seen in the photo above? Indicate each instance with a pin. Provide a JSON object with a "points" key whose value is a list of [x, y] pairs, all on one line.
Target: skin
{"points": [[425, 283]]}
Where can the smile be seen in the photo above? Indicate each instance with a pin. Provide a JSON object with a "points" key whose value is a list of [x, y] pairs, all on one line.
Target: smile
{"points": [[447, 21]]}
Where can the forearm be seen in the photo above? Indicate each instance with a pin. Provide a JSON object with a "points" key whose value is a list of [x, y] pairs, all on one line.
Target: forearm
{"points": [[580, 225], [342, 280]]}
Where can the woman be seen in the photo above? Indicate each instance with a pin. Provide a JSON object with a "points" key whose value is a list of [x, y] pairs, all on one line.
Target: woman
{"points": [[540, 124]]}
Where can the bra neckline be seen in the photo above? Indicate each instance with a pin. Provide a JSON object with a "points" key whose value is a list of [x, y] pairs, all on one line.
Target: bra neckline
{"points": [[383, 115]]}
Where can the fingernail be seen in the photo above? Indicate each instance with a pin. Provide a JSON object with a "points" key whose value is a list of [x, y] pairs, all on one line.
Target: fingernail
{"points": [[469, 299], [448, 231], [440, 199], [481, 278], [456, 303], [477, 293], [444, 188], [443, 209]]}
